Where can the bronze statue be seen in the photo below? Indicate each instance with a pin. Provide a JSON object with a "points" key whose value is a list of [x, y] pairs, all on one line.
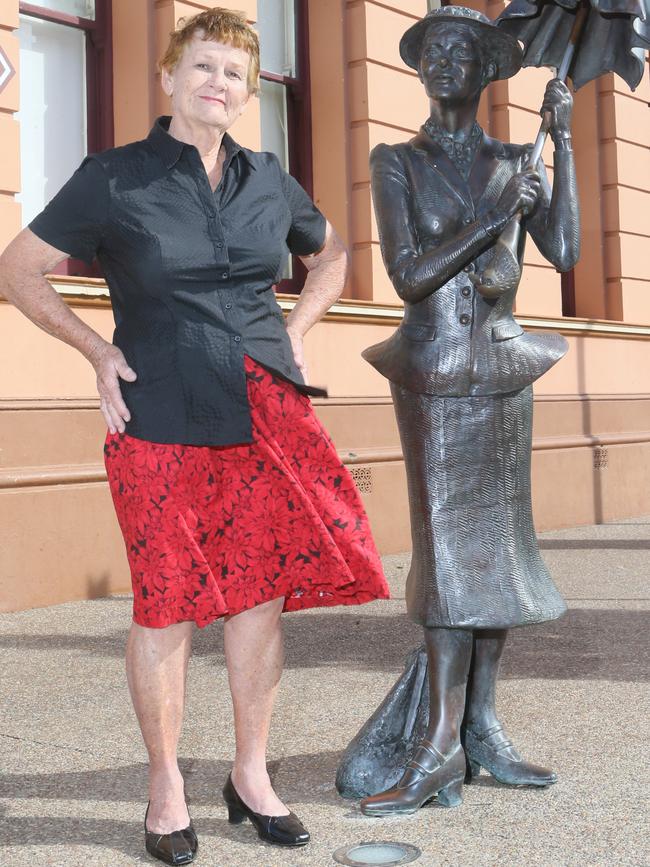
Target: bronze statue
{"points": [[453, 207]]}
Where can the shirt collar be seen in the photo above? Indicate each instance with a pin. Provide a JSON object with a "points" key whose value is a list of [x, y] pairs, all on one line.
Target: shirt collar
{"points": [[170, 149]]}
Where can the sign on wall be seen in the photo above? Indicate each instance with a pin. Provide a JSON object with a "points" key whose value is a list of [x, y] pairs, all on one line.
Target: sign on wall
{"points": [[7, 71]]}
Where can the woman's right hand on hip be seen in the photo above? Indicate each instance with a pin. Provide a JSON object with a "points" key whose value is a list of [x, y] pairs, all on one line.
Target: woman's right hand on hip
{"points": [[111, 366]]}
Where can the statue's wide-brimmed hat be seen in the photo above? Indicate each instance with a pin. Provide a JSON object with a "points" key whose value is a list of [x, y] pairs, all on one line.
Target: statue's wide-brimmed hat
{"points": [[501, 48]]}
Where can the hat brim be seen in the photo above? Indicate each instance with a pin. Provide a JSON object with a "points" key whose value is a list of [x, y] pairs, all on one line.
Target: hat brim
{"points": [[502, 48]]}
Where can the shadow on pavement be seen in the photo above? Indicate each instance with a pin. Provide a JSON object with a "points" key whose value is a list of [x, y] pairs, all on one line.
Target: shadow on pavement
{"points": [[590, 544], [124, 837], [312, 776], [314, 783], [603, 644]]}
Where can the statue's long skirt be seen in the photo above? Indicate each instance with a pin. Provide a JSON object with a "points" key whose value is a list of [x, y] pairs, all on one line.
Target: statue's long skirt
{"points": [[476, 563]]}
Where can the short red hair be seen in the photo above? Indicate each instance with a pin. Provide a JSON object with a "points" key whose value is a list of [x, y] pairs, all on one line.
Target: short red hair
{"points": [[216, 25]]}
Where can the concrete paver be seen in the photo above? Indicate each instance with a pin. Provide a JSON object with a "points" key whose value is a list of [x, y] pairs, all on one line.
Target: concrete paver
{"points": [[574, 694]]}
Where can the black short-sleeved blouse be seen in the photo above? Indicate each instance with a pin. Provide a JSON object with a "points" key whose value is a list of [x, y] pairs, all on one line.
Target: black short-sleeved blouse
{"points": [[190, 274]]}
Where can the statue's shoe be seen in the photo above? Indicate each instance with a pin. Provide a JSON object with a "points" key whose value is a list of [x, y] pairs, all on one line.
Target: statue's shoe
{"points": [[492, 750], [427, 775]]}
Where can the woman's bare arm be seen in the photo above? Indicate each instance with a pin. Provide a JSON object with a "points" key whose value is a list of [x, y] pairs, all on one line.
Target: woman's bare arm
{"points": [[23, 267], [327, 273]]}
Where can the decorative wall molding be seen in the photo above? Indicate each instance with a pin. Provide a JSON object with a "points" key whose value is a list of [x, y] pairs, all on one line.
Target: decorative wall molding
{"points": [[85, 474], [41, 477], [92, 404], [89, 292]]}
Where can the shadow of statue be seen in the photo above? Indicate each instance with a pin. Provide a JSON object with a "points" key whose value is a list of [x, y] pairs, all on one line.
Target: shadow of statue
{"points": [[581, 645]]}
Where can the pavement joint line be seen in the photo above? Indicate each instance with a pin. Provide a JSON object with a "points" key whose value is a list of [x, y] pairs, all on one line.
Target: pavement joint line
{"points": [[57, 746], [607, 598]]}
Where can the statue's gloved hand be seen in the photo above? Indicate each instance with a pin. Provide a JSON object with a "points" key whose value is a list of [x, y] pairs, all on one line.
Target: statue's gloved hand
{"points": [[520, 193], [558, 109]]}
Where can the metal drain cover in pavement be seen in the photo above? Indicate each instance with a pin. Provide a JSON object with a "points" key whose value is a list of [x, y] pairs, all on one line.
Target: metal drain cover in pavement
{"points": [[376, 853]]}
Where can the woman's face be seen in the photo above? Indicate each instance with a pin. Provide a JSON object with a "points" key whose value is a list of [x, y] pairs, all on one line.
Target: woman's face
{"points": [[209, 83], [451, 66]]}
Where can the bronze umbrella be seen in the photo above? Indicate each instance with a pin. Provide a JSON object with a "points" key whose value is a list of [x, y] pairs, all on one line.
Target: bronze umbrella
{"points": [[582, 39]]}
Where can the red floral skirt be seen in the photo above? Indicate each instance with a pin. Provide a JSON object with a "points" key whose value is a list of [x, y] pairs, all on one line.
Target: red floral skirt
{"points": [[212, 531]]}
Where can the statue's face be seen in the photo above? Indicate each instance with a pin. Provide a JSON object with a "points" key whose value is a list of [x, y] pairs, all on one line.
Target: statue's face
{"points": [[451, 66]]}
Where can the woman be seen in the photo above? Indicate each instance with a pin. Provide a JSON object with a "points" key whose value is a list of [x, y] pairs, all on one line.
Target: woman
{"points": [[229, 493], [461, 370]]}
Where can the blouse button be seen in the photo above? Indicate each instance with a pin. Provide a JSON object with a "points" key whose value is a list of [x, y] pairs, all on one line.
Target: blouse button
{"points": [[464, 319], [466, 291]]}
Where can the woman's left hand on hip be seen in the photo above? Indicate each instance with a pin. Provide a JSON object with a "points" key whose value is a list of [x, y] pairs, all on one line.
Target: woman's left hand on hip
{"points": [[298, 352]]}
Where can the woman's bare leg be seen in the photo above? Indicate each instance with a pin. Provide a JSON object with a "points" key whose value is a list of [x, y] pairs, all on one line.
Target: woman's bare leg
{"points": [[254, 656], [156, 668]]}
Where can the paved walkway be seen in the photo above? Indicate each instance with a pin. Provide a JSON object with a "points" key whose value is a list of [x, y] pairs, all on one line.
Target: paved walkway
{"points": [[574, 694]]}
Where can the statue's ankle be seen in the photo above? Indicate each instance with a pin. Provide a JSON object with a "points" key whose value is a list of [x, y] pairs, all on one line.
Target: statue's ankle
{"points": [[482, 722], [444, 742]]}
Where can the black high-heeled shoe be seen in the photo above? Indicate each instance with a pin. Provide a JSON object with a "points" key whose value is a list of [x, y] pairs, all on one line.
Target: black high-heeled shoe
{"points": [[494, 751], [179, 847], [280, 830], [429, 774]]}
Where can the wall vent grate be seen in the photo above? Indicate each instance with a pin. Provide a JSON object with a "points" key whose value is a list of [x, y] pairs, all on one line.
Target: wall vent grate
{"points": [[362, 478], [601, 457]]}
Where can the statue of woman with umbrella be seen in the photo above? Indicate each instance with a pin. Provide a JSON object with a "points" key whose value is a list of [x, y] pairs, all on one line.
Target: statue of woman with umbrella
{"points": [[453, 208]]}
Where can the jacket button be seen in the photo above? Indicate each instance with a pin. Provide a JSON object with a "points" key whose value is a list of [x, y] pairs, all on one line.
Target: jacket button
{"points": [[464, 319], [228, 306], [468, 220], [237, 338], [224, 276], [469, 269], [465, 291]]}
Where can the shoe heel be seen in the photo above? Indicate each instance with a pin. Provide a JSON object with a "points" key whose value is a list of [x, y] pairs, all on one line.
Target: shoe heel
{"points": [[452, 794], [235, 815], [473, 770]]}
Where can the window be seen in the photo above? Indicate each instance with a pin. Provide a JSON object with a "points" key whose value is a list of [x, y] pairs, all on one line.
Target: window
{"points": [[284, 98], [66, 104]]}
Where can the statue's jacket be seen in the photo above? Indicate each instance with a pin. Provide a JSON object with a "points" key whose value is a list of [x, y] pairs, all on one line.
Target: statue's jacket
{"points": [[454, 342]]}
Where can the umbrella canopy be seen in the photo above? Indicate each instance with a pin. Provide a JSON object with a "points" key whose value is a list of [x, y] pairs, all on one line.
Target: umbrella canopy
{"points": [[614, 38]]}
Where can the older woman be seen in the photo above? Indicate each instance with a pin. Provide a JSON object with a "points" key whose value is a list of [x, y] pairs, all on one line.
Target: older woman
{"points": [[229, 492], [461, 370]]}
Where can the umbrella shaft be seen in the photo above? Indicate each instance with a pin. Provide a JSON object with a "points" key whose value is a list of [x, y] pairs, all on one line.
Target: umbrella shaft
{"points": [[563, 71], [540, 141]]}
